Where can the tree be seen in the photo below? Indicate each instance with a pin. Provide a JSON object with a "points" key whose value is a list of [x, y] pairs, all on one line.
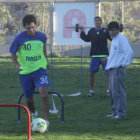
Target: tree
{"points": [[12, 14], [4, 16], [112, 11]]}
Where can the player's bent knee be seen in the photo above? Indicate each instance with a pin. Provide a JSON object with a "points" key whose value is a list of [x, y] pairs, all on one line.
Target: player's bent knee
{"points": [[44, 95]]}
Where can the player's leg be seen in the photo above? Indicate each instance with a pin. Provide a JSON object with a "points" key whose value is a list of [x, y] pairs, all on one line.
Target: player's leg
{"points": [[107, 83], [30, 104], [94, 66], [103, 63], [121, 104], [91, 80], [117, 93], [29, 89], [45, 101], [113, 90], [91, 83], [42, 82]]}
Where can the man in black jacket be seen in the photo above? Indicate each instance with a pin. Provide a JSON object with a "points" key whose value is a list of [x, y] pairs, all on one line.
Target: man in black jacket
{"points": [[98, 37]]}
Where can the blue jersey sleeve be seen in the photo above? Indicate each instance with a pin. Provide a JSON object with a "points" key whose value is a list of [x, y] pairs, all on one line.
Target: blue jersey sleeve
{"points": [[14, 47], [42, 37]]}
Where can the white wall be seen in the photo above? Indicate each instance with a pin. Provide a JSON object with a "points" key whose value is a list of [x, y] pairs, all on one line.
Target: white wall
{"points": [[67, 15]]}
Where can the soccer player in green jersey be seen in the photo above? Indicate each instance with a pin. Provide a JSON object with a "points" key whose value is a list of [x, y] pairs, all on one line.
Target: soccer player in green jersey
{"points": [[28, 52]]}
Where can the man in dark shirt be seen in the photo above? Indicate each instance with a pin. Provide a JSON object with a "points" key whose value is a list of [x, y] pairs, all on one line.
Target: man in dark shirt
{"points": [[98, 37]]}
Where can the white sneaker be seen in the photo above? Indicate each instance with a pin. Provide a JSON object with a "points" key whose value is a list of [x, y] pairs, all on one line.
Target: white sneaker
{"points": [[108, 93], [90, 94], [110, 116], [118, 117]]}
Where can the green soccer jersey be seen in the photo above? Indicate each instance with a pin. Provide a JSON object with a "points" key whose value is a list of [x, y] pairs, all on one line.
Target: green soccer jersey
{"points": [[29, 50], [31, 56]]}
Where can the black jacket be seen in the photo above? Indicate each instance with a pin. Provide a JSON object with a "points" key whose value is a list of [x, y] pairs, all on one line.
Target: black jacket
{"points": [[98, 41]]}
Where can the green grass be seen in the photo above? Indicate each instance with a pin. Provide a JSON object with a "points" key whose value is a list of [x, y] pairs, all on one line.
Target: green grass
{"points": [[84, 117]]}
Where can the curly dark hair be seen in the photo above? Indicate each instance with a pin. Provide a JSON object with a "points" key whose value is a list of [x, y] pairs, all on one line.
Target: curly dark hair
{"points": [[113, 25], [28, 19]]}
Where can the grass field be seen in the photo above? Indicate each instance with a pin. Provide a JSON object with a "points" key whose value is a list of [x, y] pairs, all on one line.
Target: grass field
{"points": [[84, 117]]}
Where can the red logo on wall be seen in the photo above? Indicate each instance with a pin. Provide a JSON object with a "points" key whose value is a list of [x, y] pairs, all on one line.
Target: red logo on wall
{"points": [[71, 15]]}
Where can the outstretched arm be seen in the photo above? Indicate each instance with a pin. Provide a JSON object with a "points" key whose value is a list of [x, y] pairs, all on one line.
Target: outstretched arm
{"points": [[83, 36]]}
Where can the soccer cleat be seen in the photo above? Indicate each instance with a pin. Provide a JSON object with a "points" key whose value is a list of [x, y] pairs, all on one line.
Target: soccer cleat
{"points": [[90, 94], [34, 115]]}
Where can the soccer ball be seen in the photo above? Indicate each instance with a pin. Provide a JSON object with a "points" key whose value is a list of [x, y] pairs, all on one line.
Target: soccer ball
{"points": [[39, 125]]}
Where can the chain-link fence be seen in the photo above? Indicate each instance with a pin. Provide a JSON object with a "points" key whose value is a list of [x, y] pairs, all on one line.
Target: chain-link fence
{"points": [[11, 15]]}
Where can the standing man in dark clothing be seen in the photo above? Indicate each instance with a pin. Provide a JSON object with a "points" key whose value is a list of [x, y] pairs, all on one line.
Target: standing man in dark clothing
{"points": [[98, 37]]}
